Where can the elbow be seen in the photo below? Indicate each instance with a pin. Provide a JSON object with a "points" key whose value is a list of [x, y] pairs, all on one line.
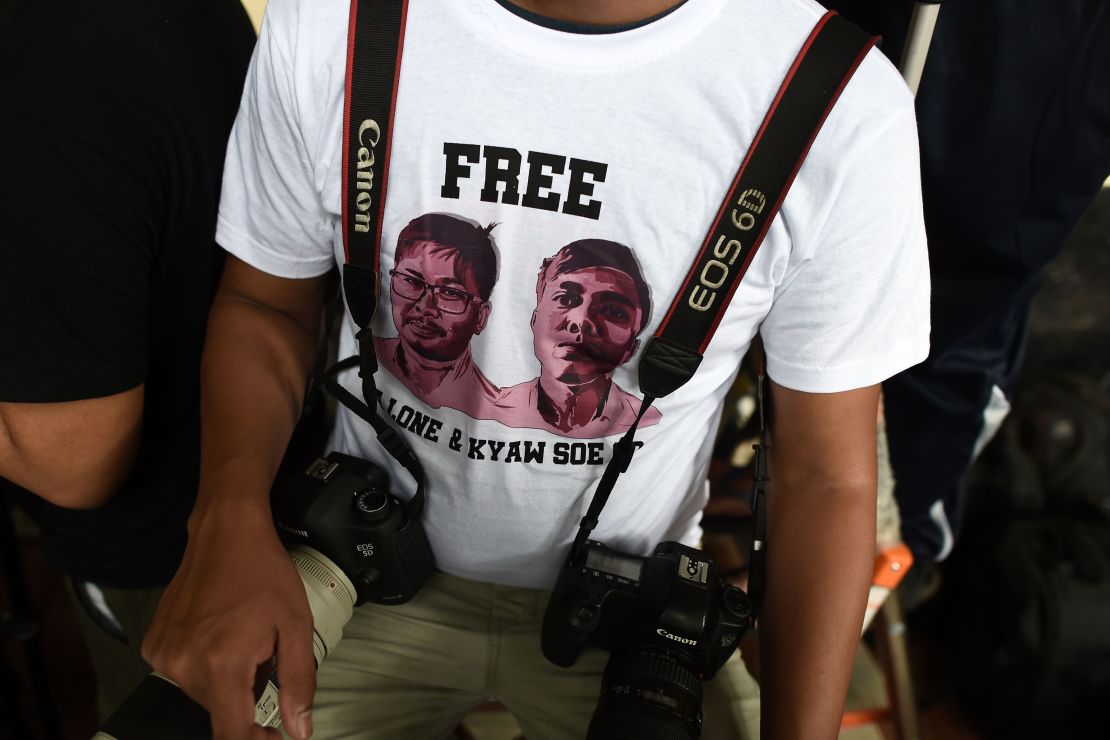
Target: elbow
{"points": [[71, 481], [86, 483], [73, 454], [68, 486]]}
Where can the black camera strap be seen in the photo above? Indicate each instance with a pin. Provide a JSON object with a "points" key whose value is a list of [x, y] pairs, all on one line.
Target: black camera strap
{"points": [[757, 560], [822, 69], [375, 41], [812, 86]]}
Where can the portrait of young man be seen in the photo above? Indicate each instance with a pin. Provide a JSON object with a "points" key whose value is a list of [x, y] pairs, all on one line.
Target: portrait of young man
{"points": [[591, 305], [445, 269], [610, 123]]}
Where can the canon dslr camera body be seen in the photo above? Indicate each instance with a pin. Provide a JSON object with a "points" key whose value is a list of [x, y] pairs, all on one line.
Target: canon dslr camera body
{"points": [[342, 507], [668, 621]]}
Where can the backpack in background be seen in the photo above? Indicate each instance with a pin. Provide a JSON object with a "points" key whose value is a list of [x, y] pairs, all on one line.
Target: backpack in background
{"points": [[1029, 595]]}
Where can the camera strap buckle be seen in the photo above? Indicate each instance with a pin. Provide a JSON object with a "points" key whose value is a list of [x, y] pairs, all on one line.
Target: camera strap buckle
{"points": [[367, 356], [622, 453]]}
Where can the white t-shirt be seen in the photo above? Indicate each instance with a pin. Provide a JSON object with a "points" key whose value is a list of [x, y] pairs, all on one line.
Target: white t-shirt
{"points": [[623, 146]]}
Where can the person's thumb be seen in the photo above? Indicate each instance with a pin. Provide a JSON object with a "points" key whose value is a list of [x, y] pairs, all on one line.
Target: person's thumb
{"points": [[296, 668]]}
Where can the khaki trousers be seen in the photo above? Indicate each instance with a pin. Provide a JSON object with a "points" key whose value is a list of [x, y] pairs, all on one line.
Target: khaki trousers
{"points": [[412, 672]]}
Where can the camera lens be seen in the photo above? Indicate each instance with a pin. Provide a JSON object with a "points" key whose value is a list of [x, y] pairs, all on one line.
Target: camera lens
{"points": [[331, 597], [648, 692]]}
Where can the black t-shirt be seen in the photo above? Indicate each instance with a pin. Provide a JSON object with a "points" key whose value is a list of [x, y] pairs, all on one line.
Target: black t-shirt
{"points": [[112, 137]]}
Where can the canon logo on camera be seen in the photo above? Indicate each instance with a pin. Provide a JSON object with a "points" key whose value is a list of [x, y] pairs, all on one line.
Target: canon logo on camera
{"points": [[676, 638]]}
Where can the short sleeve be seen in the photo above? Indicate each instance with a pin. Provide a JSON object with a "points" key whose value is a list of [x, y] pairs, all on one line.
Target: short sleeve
{"points": [[75, 254], [271, 215], [853, 308]]}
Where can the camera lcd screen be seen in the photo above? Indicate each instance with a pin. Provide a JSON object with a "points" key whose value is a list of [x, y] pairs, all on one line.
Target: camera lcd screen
{"points": [[609, 563]]}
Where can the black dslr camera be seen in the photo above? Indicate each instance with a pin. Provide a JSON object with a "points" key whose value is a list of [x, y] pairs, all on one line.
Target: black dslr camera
{"points": [[668, 621], [341, 506]]}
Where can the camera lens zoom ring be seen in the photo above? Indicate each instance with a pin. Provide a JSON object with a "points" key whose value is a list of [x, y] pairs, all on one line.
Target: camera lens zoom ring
{"points": [[312, 568], [648, 662]]}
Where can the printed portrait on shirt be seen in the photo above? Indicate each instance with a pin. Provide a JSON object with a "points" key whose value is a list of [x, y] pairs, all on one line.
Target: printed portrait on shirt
{"points": [[445, 267], [592, 303]]}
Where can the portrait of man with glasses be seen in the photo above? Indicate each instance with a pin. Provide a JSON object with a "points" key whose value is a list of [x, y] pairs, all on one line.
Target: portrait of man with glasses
{"points": [[444, 272]]}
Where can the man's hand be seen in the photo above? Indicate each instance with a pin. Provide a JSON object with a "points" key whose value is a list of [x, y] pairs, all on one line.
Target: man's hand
{"points": [[236, 601]]}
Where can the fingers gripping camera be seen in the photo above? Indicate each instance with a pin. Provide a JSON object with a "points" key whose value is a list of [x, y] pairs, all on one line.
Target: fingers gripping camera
{"points": [[158, 708], [331, 599]]}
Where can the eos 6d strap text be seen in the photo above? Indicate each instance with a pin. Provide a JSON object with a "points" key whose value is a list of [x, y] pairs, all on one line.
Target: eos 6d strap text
{"points": [[822, 69]]}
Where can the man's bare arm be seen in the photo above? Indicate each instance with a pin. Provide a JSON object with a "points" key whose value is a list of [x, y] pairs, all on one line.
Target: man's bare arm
{"points": [[258, 352], [74, 453], [821, 548], [220, 618]]}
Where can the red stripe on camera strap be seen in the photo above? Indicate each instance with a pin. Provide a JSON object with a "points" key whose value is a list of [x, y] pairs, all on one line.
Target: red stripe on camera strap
{"points": [[375, 44], [814, 82]]}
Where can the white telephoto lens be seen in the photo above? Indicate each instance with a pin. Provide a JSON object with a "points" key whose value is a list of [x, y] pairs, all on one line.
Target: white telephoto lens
{"points": [[331, 598]]}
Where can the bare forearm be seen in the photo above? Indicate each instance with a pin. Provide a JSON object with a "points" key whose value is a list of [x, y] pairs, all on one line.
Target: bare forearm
{"points": [[821, 551], [256, 364], [216, 621]]}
